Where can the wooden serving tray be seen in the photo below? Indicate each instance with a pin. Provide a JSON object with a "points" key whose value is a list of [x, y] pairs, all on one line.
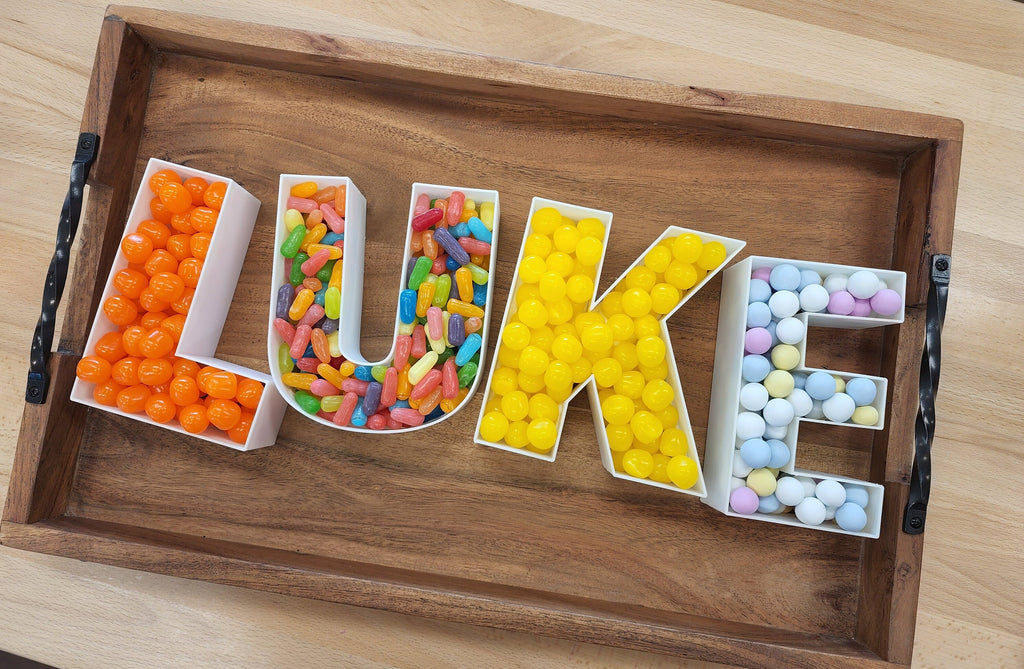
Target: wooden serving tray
{"points": [[431, 524]]}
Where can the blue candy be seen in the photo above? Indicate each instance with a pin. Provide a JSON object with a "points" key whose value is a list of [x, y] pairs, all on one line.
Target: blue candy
{"points": [[758, 315], [862, 391], [479, 230], [856, 494], [459, 230], [769, 504], [820, 386], [318, 296], [780, 454], [451, 264], [756, 453], [468, 348], [809, 277], [407, 306], [755, 368], [332, 237], [785, 277], [359, 415], [760, 291], [851, 517], [364, 373], [479, 294]]}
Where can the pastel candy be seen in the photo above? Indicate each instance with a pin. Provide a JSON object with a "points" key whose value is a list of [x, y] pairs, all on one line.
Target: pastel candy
{"points": [[759, 291], [784, 277], [886, 302], [851, 517], [744, 501], [862, 390]]}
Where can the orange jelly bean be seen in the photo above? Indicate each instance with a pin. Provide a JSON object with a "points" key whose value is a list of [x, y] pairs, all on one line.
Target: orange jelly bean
{"points": [[203, 219], [221, 384], [159, 211], [196, 187], [120, 310], [150, 302], [189, 270], [110, 348], [249, 393], [193, 418], [175, 197], [136, 247], [179, 247], [126, 371], [182, 223], [174, 325], [156, 344], [214, 196], [184, 303], [160, 407], [133, 398], [184, 390], [161, 178], [106, 393], [224, 413], [167, 286], [93, 369], [152, 319], [155, 371], [200, 244], [157, 232], [160, 260], [240, 432], [183, 367], [130, 282]]}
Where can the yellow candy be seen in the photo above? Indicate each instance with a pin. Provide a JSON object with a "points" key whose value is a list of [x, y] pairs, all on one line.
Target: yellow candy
{"points": [[493, 405], [532, 269], [487, 214], [597, 338], [617, 460], [622, 326], [516, 435], [659, 371], [658, 258], [304, 189], [669, 417], [762, 481], [468, 309], [591, 227], [542, 406], [786, 356], [542, 434], [533, 313], [422, 366], [559, 394], [625, 353], [657, 395], [527, 291], [560, 311], [515, 405], [504, 381], [533, 360], [334, 344], [682, 471], [516, 336], [589, 251], [607, 372], [712, 255], [660, 471], [330, 403], [579, 288], [646, 426], [561, 263], [620, 437], [779, 383], [681, 275], [508, 357], [566, 237], [586, 319], [530, 383], [558, 375], [687, 248], [612, 303], [646, 326], [298, 380], [542, 338], [293, 219], [664, 298], [618, 409], [493, 426], [641, 277], [581, 370], [673, 442], [567, 347], [840, 384], [636, 302], [865, 415], [631, 384], [546, 220], [537, 245], [638, 463], [650, 351], [552, 286]]}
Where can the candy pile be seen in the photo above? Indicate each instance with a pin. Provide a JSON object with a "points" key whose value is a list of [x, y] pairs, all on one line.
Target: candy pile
{"points": [[441, 311], [134, 368], [775, 395], [552, 340], [812, 500]]}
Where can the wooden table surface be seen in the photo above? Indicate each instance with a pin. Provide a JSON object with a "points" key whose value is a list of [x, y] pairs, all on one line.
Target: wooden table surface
{"points": [[958, 58]]}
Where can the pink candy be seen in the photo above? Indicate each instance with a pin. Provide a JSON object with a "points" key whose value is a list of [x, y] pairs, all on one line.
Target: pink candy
{"points": [[757, 341], [449, 379], [427, 219], [403, 346], [313, 314], [743, 500], [333, 220], [301, 340], [322, 388], [315, 262], [343, 416], [475, 246], [305, 205], [405, 416], [455, 202], [389, 389], [841, 302], [886, 302], [429, 381]]}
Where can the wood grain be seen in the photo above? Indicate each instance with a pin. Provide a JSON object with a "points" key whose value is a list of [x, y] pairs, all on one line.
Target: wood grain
{"points": [[617, 43]]}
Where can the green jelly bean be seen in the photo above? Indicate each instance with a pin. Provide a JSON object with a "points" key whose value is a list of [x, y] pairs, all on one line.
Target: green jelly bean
{"points": [[467, 373], [420, 272], [325, 272], [477, 273], [284, 359], [377, 372], [294, 241], [309, 403], [296, 277], [332, 303], [444, 355], [444, 287]]}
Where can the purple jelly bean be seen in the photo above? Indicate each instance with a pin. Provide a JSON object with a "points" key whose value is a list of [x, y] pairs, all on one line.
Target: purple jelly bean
{"points": [[456, 330], [285, 295], [449, 244], [329, 325], [408, 270], [371, 401]]}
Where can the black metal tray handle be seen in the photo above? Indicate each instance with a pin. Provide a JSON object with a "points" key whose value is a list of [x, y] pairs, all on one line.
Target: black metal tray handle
{"points": [[57, 274]]}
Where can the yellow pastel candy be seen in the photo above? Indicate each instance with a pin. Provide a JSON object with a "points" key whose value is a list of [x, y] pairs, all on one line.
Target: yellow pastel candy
{"points": [[785, 356], [779, 383], [762, 481], [865, 415]]}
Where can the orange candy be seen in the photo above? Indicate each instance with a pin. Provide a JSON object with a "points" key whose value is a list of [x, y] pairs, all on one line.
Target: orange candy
{"points": [[214, 196], [156, 344], [174, 325], [152, 319], [150, 302], [178, 246], [159, 211], [175, 197], [193, 418], [160, 260], [183, 303], [223, 413], [240, 432], [93, 369], [183, 390], [203, 219], [133, 398], [156, 231], [110, 348], [126, 371], [183, 367], [249, 393], [196, 186], [182, 223], [189, 270], [155, 371], [160, 408], [120, 310], [106, 393], [166, 286], [200, 244], [220, 384], [131, 338], [130, 283], [161, 178], [136, 247]]}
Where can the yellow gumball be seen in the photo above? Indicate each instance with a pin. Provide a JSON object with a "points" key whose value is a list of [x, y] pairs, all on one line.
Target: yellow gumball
{"points": [[622, 326], [533, 313], [532, 268], [515, 405], [657, 395], [711, 256], [516, 435], [682, 471], [530, 383], [552, 286], [659, 371], [508, 357], [561, 263], [673, 442], [636, 302], [533, 360], [650, 351], [660, 471], [504, 381], [579, 288], [638, 463], [620, 437], [597, 338], [625, 353], [641, 277], [566, 237], [560, 311], [542, 406], [669, 417], [617, 409], [607, 372], [566, 347], [581, 370], [527, 291], [546, 220], [612, 303], [591, 227], [681, 275], [542, 338], [516, 336], [687, 248], [589, 251], [664, 298], [646, 427], [658, 258], [646, 326], [537, 245], [542, 434], [493, 426], [631, 384]]}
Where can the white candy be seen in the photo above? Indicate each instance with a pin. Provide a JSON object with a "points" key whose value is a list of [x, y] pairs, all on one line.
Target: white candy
{"points": [[862, 284], [801, 401], [779, 412], [831, 493], [784, 304], [739, 468], [808, 483], [753, 396], [789, 491], [830, 512], [814, 298], [751, 426], [776, 431], [736, 482], [856, 494], [810, 511], [839, 408], [816, 412], [791, 330], [835, 282]]}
